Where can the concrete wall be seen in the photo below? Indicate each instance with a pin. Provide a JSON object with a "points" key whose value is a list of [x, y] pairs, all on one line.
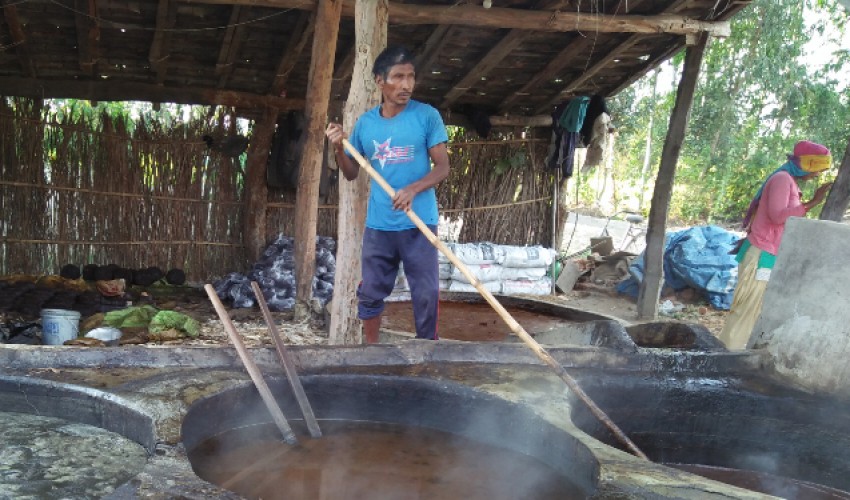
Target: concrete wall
{"points": [[805, 321]]}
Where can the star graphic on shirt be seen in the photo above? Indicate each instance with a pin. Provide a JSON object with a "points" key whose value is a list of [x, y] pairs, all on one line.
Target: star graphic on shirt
{"points": [[382, 151]]}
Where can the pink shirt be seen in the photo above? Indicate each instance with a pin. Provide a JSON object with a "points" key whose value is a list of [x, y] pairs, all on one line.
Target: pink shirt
{"points": [[780, 199]]}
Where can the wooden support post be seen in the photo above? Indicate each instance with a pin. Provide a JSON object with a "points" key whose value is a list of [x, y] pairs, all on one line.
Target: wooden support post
{"points": [[256, 190], [370, 24], [650, 287], [839, 196], [328, 13]]}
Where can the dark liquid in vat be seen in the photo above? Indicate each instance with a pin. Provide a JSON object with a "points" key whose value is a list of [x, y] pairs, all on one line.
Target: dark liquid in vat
{"points": [[364, 460]]}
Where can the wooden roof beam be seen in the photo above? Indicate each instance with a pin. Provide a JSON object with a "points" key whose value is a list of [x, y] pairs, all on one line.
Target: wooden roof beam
{"points": [[104, 90], [650, 64], [233, 36], [559, 63], [166, 19], [590, 73], [88, 35], [487, 63], [16, 29], [432, 48], [503, 121], [498, 17], [294, 47], [494, 56], [495, 17], [551, 71], [656, 59]]}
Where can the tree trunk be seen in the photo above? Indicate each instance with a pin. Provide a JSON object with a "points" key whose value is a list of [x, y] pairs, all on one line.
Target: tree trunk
{"points": [[650, 287], [307, 199], [370, 22], [839, 195], [256, 190], [647, 153]]}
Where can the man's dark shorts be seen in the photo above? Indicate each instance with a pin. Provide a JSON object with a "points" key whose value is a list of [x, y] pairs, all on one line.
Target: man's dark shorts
{"points": [[382, 252]]}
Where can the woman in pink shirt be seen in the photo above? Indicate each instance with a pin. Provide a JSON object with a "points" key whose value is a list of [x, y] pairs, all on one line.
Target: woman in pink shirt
{"points": [[776, 201]]}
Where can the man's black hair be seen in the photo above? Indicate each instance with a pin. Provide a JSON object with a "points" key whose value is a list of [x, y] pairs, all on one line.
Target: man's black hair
{"points": [[388, 58]]}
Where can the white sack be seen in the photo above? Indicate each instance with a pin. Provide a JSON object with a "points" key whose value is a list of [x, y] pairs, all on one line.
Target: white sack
{"points": [[536, 256], [491, 286], [539, 287], [483, 272]]}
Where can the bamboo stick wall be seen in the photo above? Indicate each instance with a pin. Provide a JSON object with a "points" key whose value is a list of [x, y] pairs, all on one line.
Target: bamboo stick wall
{"points": [[501, 190], [79, 191]]}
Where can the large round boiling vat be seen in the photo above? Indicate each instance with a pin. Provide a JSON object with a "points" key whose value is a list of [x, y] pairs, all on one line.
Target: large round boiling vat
{"points": [[749, 431], [444, 411]]}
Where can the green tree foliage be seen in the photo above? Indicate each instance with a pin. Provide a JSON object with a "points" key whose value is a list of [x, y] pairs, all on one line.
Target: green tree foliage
{"points": [[758, 94]]}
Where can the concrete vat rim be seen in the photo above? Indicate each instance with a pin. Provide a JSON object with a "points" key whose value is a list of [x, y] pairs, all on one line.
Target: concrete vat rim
{"points": [[103, 409]]}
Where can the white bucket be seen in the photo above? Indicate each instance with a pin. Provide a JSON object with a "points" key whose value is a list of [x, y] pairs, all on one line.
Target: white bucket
{"points": [[59, 326]]}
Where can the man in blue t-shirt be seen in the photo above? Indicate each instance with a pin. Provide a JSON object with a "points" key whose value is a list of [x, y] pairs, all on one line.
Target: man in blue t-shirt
{"points": [[401, 138]]}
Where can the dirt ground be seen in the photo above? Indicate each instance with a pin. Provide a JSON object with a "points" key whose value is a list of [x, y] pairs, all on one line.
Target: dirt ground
{"points": [[601, 298], [604, 299]]}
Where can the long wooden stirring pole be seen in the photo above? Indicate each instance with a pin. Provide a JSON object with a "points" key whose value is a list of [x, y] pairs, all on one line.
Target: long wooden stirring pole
{"points": [[253, 371], [506, 316], [288, 365]]}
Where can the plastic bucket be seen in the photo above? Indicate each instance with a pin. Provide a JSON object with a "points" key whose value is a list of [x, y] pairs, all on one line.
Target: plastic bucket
{"points": [[59, 326]]}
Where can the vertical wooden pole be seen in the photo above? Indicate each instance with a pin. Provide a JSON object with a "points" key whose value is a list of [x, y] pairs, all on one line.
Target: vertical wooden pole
{"points": [[256, 190], [328, 14], [563, 202], [370, 24], [650, 287], [839, 196]]}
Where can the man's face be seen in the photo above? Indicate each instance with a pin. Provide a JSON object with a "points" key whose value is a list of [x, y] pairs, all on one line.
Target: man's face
{"points": [[398, 86]]}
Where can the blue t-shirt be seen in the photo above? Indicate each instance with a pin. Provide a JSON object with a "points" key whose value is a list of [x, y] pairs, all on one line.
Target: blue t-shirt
{"points": [[398, 148]]}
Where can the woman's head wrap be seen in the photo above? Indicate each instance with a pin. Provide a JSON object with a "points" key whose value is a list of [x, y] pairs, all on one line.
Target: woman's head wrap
{"points": [[811, 157]]}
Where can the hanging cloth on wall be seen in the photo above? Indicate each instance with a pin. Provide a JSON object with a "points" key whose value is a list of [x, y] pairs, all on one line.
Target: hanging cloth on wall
{"points": [[598, 143], [595, 108], [567, 120]]}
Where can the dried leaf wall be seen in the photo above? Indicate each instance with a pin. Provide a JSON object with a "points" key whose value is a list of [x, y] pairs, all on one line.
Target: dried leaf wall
{"points": [[79, 191]]}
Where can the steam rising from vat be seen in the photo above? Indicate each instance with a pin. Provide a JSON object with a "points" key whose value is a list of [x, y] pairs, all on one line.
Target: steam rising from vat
{"points": [[765, 462], [412, 436]]}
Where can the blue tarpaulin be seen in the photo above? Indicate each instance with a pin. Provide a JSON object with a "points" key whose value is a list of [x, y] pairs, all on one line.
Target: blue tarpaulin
{"points": [[698, 258]]}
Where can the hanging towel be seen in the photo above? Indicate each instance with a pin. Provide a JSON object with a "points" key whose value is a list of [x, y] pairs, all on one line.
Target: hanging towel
{"points": [[573, 117]]}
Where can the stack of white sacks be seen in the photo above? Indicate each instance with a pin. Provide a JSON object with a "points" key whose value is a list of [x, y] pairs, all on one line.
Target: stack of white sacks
{"points": [[501, 269]]}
